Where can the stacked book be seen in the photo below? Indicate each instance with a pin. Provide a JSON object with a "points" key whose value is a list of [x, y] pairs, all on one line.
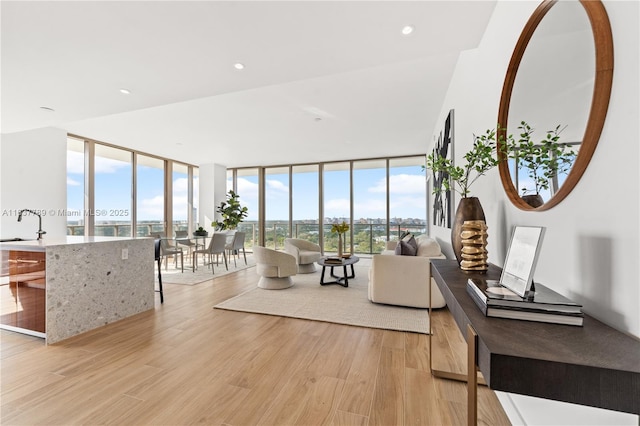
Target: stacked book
{"points": [[331, 260], [546, 305]]}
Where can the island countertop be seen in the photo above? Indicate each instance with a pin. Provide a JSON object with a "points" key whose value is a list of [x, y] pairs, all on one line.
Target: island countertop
{"points": [[41, 245], [83, 283]]}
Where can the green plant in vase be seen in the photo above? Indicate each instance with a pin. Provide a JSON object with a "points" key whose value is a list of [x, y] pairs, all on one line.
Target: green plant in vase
{"points": [[479, 160], [482, 157], [543, 161], [231, 211], [340, 228]]}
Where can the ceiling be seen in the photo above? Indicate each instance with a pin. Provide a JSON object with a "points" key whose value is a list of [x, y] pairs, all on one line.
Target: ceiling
{"points": [[323, 80]]}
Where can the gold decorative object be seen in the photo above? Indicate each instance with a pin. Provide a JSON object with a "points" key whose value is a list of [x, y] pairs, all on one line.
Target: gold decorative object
{"points": [[474, 243]]}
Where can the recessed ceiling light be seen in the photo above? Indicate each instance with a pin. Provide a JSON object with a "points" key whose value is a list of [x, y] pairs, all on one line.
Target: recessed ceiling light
{"points": [[47, 109], [407, 29], [125, 91], [238, 66]]}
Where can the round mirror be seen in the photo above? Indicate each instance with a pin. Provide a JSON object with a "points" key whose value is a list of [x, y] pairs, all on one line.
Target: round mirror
{"points": [[554, 101]]}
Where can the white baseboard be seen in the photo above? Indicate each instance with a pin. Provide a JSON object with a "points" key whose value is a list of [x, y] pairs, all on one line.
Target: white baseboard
{"points": [[510, 409], [529, 411]]}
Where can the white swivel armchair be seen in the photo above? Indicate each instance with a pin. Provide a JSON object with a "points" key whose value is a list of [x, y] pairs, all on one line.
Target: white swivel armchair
{"points": [[305, 252], [275, 268]]}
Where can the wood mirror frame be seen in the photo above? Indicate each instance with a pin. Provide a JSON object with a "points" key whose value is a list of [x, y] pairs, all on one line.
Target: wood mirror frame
{"points": [[603, 41]]}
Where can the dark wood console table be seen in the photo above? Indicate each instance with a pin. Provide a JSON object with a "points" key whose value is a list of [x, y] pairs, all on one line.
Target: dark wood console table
{"points": [[593, 365]]}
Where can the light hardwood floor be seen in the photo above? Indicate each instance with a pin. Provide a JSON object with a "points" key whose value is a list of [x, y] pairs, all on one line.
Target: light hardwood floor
{"points": [[186, 363]]}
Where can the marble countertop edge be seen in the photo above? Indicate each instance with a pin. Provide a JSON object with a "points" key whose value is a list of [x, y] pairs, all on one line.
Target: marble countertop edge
{"points": [[41, 245]]}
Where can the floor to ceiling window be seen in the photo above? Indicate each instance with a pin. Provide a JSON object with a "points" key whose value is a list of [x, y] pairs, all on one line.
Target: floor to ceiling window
{"points": [[112, 191], [180, 188], [247, 189], [357, 192], [276, 206], [150, 196], [305, 202], [407, 196], [369, 206], [336, 203], [75, 187], [103, 203]]}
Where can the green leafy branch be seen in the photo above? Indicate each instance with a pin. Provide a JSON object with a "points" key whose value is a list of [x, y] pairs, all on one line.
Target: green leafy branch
{"points": [[479, 160], [231, 211], [543, 160]]}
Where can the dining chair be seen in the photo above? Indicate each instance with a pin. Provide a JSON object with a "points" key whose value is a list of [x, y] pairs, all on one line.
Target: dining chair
{"points": [[229, 239], [182, 239], [236, 245], [217, 246], [167, 249]]}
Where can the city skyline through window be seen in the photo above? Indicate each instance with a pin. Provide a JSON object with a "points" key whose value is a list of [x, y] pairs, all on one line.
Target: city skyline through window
{"points": [[113, 178], [150, 196], [407, 193], [320, 194], [112, 191], [353, 191]]}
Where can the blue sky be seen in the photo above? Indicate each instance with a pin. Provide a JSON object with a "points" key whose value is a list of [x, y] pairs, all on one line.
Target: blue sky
{"points": [[113, 187], [407, 185]]}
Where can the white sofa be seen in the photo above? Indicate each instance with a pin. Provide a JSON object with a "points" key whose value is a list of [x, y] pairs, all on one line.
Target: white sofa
{"points": [[402, 280]]}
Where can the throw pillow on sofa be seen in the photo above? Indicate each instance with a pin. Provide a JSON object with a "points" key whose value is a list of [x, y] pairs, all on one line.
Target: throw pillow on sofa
{"points": [[427, 247], [407, 246]]}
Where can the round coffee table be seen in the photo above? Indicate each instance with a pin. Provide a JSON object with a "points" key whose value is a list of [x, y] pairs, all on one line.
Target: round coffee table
{"points": [[344, 279]]}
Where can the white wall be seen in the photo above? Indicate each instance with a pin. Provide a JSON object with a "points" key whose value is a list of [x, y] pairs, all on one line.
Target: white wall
{"points": [[591, 247], [33, 170], [213, 187]]}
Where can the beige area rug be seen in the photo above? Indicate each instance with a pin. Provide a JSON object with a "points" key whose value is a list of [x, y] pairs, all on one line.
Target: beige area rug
{"points": [[307, 299], [203, 273]]}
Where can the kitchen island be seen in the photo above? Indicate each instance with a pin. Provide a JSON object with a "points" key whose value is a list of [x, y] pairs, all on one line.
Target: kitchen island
{"points": [[58, 288]]}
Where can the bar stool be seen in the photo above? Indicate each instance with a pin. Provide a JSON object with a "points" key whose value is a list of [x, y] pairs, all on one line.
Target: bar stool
{"points": [[159, 260]]}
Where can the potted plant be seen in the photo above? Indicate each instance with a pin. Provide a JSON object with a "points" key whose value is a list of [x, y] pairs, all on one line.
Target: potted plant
{"points": [[200, 232], [340, 228], [542, 160], [481, 158], [231, 211]]}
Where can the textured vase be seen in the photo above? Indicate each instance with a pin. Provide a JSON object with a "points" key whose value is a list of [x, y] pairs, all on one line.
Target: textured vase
{"points": [[534, 200], [339, 245], [474, 246], [468, 209]]}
